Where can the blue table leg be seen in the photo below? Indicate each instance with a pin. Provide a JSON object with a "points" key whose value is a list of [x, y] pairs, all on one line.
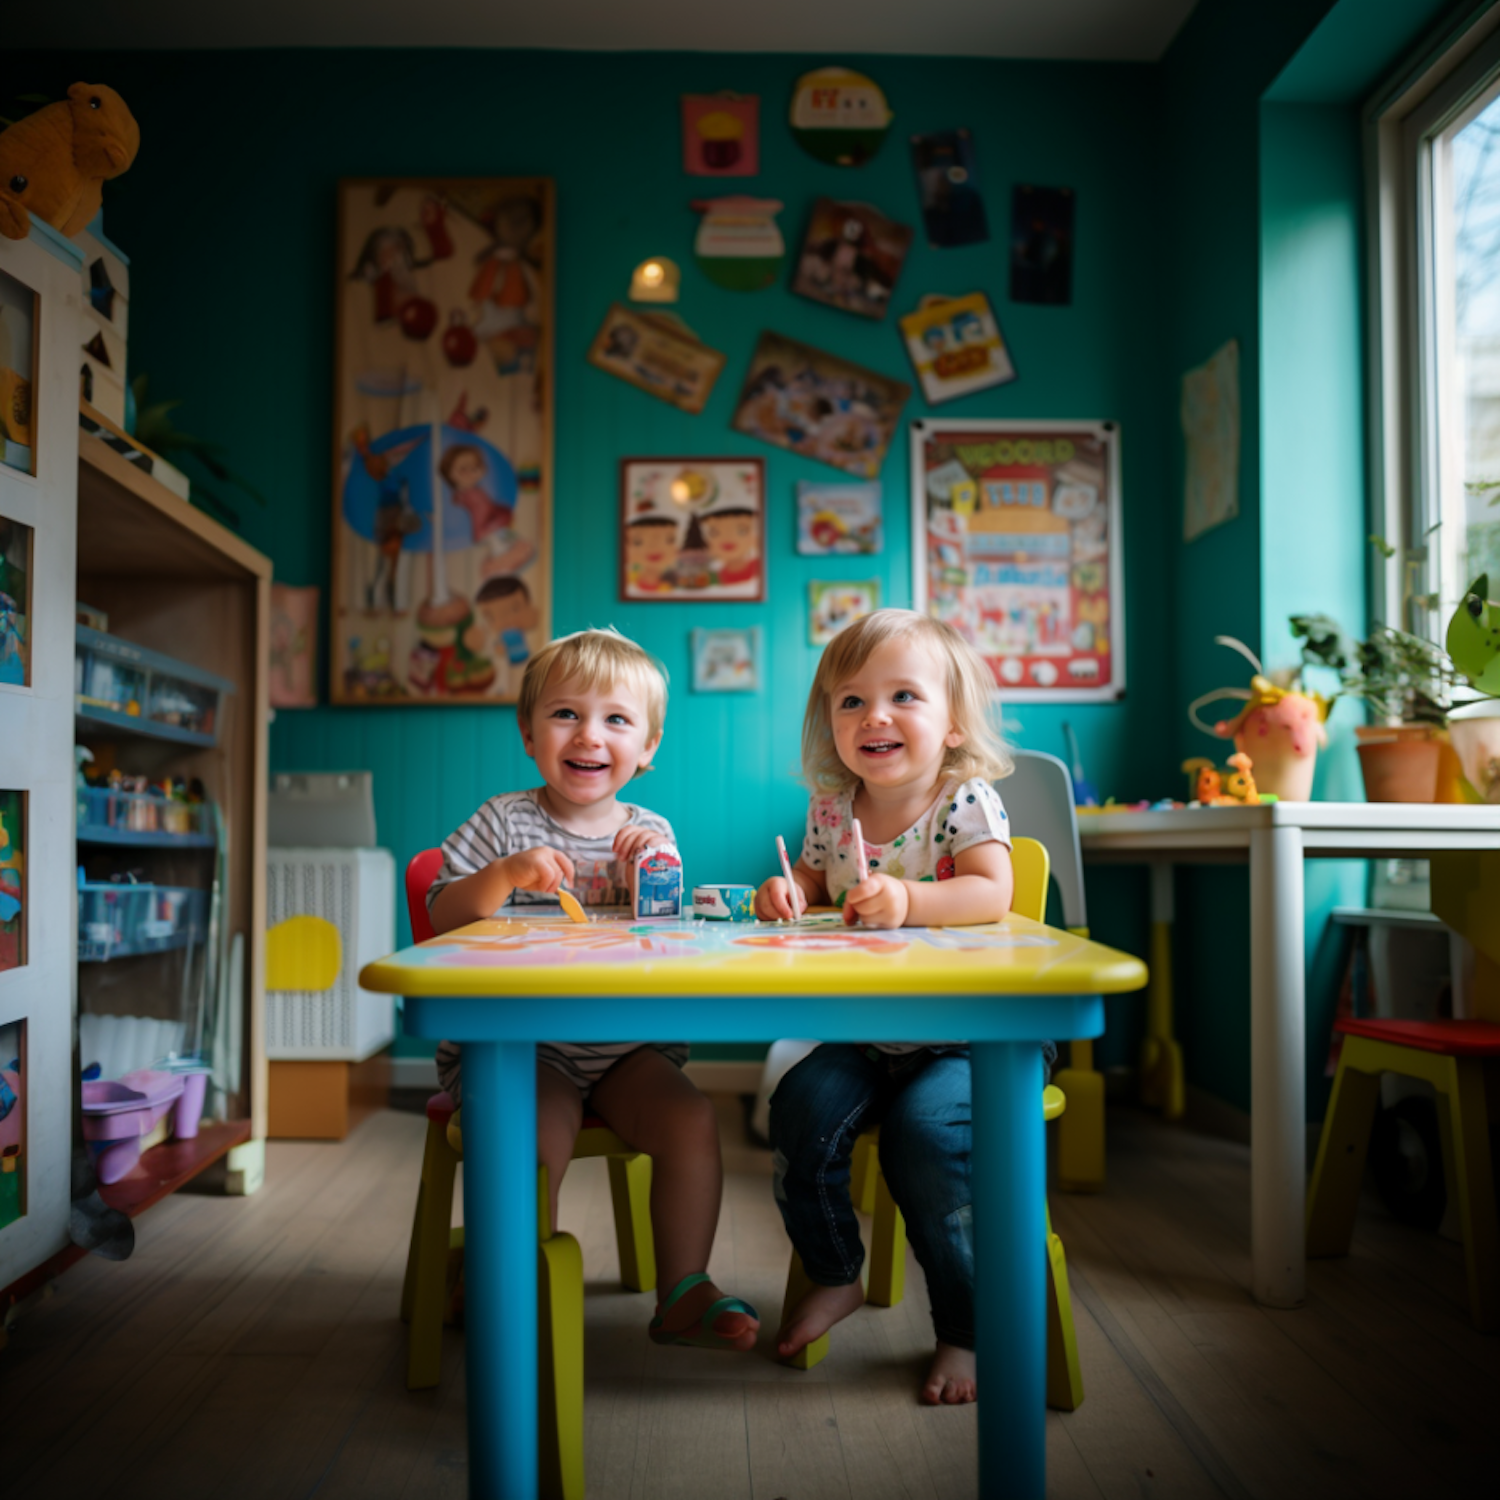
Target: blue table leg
{"points": [[1010, 1289], [500, 1238]]}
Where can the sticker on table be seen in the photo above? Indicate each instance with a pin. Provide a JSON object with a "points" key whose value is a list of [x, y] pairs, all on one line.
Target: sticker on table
{"points": [[948, 185], [832, 939], [721, 135], [1041, 245], [597, 943], [839, 116], [956, 346], [972, 940], [837, 519], [851, 257], [739, 244]]}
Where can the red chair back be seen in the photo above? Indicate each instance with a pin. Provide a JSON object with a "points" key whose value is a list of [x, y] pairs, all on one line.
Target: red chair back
{"points": [[420, 874]]}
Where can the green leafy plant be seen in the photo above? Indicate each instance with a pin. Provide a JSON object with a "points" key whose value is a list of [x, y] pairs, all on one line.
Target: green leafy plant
{"points": [[1403, 679]]}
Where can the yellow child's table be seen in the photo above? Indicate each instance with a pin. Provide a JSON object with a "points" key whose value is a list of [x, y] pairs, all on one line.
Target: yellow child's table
{"points": [[501, 986]]}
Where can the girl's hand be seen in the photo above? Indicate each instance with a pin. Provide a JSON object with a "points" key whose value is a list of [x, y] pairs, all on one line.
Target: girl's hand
{"points": [[633, 840], [539, 869], [773, 901], [880, 901]]}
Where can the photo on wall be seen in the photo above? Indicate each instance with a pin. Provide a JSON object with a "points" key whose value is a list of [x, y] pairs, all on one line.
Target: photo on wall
{"points": [[835, 519], [294, 646], [948, 186], [851, 257], [658, 353], [12, 879], [726, 661], [18, 356], [443, 363], [956, 347], [834, 603], [12, 1122], [1041, 245], [16, 541], [692, 529]]}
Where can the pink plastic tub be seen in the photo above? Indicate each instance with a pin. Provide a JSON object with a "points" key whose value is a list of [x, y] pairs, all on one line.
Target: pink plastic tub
{"points": [[118, 1113]]}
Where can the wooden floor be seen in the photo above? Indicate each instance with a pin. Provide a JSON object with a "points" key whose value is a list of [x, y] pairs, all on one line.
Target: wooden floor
{"points": [[251, 1349]]}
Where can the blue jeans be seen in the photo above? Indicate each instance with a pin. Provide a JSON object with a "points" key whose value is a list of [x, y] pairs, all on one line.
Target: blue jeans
{"points": [[921, 1101]]}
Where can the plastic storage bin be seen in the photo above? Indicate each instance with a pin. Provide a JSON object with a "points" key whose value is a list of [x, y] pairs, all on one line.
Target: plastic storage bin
{"points": [[118, 921], [125, 686], [108, 815]]}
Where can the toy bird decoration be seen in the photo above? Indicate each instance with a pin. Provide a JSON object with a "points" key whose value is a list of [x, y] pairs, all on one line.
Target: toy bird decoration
{"points": [[1474, 637]]}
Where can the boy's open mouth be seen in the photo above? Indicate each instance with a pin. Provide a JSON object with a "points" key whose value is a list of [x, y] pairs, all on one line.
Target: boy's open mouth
{"points": [[880, 747], [586, 765]]}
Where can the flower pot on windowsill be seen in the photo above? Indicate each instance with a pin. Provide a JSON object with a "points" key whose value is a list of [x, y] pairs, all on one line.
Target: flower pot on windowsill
{"points": [[1399, 762], [1475, 732]]}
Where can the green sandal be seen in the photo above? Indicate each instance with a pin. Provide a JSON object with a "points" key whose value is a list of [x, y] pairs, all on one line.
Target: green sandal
{"points": [[705, 1337]]}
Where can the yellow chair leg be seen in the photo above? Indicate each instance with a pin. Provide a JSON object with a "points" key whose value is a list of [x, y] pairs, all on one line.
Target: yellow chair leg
{"points": [[1466, 1162], [862, 1169], [413, 1251], [1333, 1194], [427, 1264], [798, 1285], [560, 1346], [1080, 1131], [1064, 1374], [887, 1279], [630, 1191]]}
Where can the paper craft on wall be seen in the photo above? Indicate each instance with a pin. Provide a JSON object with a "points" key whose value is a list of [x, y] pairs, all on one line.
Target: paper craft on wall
{"points": [[839, 116], [692, 528], [1041, 245], [660, 354], [1017, 545], [726, 661], [15, 602], [956, 346], [18, 338], [1211, 428], [12, 879], [443, 405], [294, 646], [12, 1122], [948, 185], [851, 257], [720, 135], [836, 519], [835, 603], [739, 244], [819, 405]]}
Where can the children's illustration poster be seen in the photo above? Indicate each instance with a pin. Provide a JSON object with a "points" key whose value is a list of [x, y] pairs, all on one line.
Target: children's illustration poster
{"points": [[1211, 429], [660, 354], [1017, 545], [442, 511], [851, 257], [839, 116], [739, 245], [1041, 245], [956, 346], [692, 528], [294, 646], [819, 405], [15, 602], [18, 333], [721, 135], [833, 604], [12, 1122], [726, 661], [948, 186], [12, 880], [837, 518]]}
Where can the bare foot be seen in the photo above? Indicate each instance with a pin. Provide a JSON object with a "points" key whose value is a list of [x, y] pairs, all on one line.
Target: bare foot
{"points": [[736, 1329], [815, 1314], [950, 1378]]}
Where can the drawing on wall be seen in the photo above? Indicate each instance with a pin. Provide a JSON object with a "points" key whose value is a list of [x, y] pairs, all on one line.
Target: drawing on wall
{"points": [[1017, 545], [819, 405], [721, 135], [839, 116], [948, 186], [294, 646], [1041, 245], [442, 510], [18, 335], [15, 602], [692, 528], [835, 603], [837, 518], [726, 661], [956, 346], [739, 245], [659, 353], [1211, 429], [851, 257], [12, 1122], [12, 880]]}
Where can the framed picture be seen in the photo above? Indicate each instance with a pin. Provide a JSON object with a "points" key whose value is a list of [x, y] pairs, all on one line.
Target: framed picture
{"points": [[726, 661], [294, 646], [12, 879], [948, 185], [835, 603], [721, 135], [851, 257], [1016, 543], [956, 346], [442, 525], [15, 602], [20, 329], [819, 405], [12, 1122], [692, 528], [658, 353], [1041, 245], [836, 519]]}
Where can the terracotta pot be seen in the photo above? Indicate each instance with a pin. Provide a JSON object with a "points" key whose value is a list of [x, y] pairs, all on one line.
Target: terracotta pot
{"points": [[1399, 763], [1475, 732]]}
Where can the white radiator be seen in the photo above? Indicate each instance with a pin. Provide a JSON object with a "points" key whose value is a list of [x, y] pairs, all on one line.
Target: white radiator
{"points": [[355, 889]]}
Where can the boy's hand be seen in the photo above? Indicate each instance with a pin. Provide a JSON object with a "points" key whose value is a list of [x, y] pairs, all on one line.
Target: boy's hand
{"points": [[773, 901], [880, 901], [539, 869], [633, 840]]}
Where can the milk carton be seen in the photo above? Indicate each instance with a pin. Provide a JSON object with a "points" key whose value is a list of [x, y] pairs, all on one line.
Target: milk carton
{"points": [[658, 882]]}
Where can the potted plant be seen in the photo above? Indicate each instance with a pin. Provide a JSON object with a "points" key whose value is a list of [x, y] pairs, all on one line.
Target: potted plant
{"points": [[1473, 641]]}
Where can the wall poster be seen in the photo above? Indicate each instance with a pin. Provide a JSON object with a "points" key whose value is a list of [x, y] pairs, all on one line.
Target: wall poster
{"points": [[442, 438], [12, 1122], [1016, 543]]}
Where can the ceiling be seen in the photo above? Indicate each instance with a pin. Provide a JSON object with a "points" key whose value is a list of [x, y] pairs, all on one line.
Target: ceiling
{"points": [[1101, 30]]}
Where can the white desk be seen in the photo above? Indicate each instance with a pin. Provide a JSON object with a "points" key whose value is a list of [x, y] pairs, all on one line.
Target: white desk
{"points": [[1275, 838]]}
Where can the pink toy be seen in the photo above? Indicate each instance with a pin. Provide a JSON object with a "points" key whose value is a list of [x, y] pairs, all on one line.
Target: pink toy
{"points": [[119, 1114]]}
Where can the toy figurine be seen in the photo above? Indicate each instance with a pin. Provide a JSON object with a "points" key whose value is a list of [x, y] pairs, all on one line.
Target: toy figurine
{"points": [[1211, 787]]}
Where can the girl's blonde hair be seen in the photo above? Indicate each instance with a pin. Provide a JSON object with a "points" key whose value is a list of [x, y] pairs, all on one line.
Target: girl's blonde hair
{"points": [[969, 686], [598, 660]]}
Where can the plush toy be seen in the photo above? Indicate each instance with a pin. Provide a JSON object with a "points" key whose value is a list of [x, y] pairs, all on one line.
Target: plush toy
{"points": [[53, 163]]}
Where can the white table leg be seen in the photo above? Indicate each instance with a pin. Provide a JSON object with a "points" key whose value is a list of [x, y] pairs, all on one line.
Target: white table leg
{"points": [[1278, 1061]]}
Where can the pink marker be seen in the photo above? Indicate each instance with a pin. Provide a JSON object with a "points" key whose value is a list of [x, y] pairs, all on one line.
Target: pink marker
{"points": [[862, 864], [786, 869]]}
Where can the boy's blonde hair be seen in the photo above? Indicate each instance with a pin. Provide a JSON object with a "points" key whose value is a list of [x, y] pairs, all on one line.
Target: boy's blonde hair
{"points": [[598, 659], [969, 686]]}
